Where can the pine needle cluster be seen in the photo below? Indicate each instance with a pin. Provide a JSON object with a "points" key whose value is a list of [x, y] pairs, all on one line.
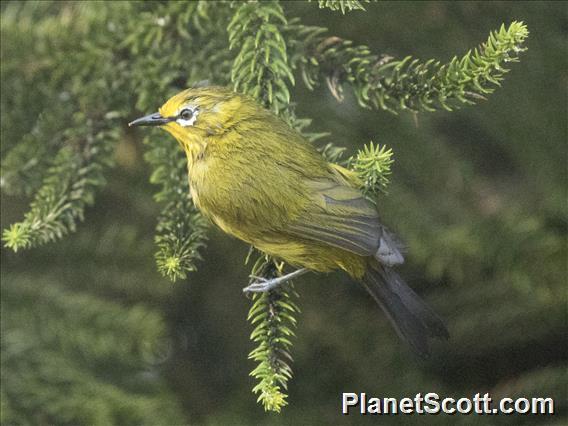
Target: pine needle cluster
{"points": [[273, 315], [382, 82], [373, 165]]}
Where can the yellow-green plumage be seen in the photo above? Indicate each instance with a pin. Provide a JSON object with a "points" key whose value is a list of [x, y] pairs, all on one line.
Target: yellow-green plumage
{"points": [[261, 181], [266, 188]]}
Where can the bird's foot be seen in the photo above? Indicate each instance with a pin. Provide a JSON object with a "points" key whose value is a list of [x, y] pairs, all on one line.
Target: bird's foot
{"points": [[262, 285]]}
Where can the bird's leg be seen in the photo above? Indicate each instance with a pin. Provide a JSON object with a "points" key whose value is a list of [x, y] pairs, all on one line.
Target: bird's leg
{"points": [[262, 285]]}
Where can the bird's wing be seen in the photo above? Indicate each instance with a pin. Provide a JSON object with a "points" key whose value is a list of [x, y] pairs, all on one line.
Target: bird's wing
{"points": [[339, 215]]}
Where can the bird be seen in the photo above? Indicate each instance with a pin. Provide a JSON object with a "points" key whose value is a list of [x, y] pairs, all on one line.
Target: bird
{"points": [[262, 182]]}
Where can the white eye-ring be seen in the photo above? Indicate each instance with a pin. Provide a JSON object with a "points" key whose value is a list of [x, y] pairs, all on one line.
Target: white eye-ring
{"points": [[187, 116]]}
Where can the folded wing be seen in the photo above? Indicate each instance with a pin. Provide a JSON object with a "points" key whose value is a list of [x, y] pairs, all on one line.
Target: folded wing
{"points": [[340, 216]]}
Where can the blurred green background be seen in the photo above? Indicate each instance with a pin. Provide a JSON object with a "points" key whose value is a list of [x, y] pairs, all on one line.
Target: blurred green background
{"points": [[92, 334]]}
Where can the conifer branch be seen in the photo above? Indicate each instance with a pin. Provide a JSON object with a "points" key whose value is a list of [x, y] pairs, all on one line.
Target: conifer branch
{"points": [[82, 143], [24, 166], [261, 68], [181, 229], [373, 166], [334, 154], [381, 82], [273, 314], [69, 185]]}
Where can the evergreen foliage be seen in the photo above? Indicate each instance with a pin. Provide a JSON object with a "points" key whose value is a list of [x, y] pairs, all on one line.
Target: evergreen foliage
{"points": [[261, 68], [381, 82], [93, 67], [273, 314], [28, 160], [54, 349], [373, 165], [69, 185], [181, 230]]}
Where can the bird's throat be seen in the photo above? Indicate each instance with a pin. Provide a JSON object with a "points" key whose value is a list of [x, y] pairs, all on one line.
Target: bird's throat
{"points": [[194, 145], [195, 151]]}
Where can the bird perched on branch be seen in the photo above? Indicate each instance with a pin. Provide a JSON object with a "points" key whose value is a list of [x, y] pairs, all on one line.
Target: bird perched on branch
{"points": [[263, 182]]}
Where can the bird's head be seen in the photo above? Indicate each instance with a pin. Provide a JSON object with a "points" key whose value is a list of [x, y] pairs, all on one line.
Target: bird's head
{"points": [[200, 112]]}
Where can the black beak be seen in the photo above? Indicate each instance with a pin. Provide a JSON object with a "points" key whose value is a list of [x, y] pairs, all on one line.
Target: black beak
{"points": [[151, 120]]}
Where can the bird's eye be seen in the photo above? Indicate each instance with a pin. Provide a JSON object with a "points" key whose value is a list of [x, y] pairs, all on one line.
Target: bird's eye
{"points": [[186, 114]]}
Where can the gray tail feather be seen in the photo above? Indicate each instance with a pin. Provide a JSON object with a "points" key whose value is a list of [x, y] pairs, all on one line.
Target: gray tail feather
{"points": [[413, 320]]}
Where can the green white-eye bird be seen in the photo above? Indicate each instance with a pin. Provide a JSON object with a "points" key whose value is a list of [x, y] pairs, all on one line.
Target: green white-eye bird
{"points": [[263, 182]]}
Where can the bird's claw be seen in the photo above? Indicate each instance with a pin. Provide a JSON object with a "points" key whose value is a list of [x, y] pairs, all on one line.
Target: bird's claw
{"points": [[256, 277], [261, 285]]}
